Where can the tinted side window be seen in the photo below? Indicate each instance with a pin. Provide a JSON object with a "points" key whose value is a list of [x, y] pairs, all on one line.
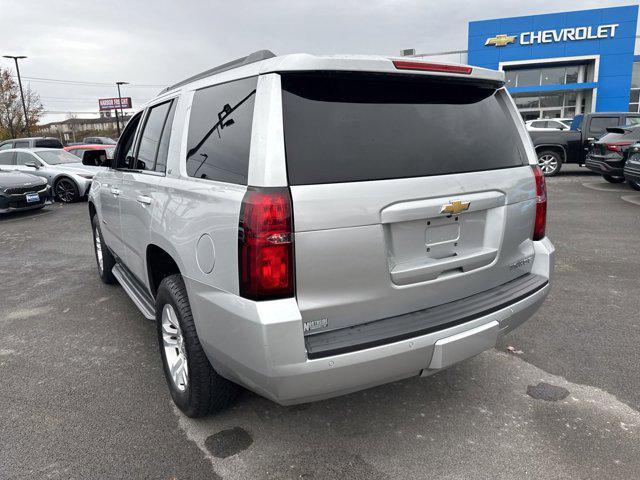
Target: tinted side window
{"points": [[21, 144], [600, 124], [4, 146], [48, 143], [163, 149], [23, 158], [124, 148], [150, 138], [539, 124], [220, 131], [6, 158]]}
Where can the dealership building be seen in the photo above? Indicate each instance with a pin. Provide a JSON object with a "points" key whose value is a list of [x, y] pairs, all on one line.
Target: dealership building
{"points": [[561, 64]]}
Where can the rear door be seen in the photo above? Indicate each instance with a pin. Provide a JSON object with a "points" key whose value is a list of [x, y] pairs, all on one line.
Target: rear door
{"points": [[7, 160], [407, 193], [139, 184]]}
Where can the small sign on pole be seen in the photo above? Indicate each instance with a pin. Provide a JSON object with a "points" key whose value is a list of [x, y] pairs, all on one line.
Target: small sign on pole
{"points": [[114, 103]]}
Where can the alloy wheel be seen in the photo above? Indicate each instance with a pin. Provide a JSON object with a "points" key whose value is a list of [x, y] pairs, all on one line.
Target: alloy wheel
{"points": [[174, 348], [548, 164], [65, 190]]}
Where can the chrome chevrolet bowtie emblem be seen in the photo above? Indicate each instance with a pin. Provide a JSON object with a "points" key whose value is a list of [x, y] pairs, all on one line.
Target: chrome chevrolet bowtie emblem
{"points": [[500, 40], [454, 208]]}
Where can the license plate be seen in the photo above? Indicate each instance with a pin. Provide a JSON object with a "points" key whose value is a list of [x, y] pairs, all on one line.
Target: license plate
{"points": [[33, 197]]}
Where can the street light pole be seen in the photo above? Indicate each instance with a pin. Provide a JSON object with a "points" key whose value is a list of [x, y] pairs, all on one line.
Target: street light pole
{"points": [[120, 104], [24, 105]]}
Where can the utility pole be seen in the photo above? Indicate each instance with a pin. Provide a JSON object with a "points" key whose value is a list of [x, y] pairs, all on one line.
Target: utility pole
{"points": [[119, 104], [24, 105]]}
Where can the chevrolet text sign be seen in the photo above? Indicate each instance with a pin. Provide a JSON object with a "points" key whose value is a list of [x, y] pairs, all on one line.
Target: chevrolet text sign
{"points": [[553, 36]]}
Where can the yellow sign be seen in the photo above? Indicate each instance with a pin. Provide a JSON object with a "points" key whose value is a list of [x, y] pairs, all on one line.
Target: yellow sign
{"points": [[500, 40]]}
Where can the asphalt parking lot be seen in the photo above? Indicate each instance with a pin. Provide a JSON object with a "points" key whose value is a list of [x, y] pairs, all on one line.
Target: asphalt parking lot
{"points": [[83, 394]]}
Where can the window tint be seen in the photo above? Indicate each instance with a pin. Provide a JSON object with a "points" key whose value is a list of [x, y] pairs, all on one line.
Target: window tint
{"points": [[23, 158], [220, 131], [345, 127], [539, 124], [150, 138], [600, 124], [21, 144], [48, 143], [5, 146], [6, 158], [124, 150], [163, 149]]}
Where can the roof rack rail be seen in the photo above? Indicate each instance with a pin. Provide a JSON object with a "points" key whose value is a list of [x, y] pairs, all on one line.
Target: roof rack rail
{"points": [[239, 62]]}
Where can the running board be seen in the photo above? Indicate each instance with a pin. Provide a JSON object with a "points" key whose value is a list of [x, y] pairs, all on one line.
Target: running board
{"points": [[135, 291]]}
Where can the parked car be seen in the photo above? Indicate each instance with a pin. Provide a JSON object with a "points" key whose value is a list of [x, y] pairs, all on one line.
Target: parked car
{"points": [[96, 155], [98, 141], [608, 155], [31, 142], [631, 170], [69, 179], [571, 146], [22, 191], [305, 263], [549, 124]]}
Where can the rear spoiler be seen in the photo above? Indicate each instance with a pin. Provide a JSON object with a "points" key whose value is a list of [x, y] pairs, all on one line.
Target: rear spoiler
{"points": [[619, 130]]}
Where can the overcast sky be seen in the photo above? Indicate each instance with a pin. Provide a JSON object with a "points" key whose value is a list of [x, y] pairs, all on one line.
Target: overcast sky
{"points": [[155, 43]]}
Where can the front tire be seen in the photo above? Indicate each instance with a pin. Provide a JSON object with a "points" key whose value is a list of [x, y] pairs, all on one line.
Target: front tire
{"points": [[612, 179], [104, 259], [66, 190], [550, 162], [196, 388]]}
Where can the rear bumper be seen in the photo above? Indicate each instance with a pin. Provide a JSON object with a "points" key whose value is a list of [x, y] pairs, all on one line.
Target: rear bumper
{"points": [[261, 344], [632, 172], [602, 167]]}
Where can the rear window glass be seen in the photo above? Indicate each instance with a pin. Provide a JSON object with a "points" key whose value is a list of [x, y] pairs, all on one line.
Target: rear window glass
{"points": [[49, 143], [357, 127], [220, 131]]}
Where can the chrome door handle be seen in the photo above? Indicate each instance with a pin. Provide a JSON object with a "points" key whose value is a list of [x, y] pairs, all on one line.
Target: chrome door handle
{"points": [[115, 191], [143, 199]]}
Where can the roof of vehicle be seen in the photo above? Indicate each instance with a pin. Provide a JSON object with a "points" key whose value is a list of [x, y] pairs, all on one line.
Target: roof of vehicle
{"points": [[89, 146], [36, 149], [264, 61]]}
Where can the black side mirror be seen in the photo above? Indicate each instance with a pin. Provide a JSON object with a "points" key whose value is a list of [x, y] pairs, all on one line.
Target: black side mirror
{"points": [[32, 165], [94, 158]]}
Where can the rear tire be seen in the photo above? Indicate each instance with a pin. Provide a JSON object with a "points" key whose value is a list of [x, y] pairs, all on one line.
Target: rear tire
{"points": [[612, 179], [196, 388], [633, 184], [104, 259], [550, 162]]}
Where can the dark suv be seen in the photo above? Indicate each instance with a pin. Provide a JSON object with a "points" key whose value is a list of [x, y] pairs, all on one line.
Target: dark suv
{"points": [[608, 155]]}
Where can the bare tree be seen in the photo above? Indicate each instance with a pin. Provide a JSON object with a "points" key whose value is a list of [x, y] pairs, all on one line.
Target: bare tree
{"points": [[12, 122]]}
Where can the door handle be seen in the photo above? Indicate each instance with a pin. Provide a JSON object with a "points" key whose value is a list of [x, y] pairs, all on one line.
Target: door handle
{"points": [[143, 199], [115, 192]]}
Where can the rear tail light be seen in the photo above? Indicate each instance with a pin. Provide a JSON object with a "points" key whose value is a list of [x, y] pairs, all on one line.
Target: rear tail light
{"points": [[431, 67], [265, 244], [616, 147], [540, 224]]}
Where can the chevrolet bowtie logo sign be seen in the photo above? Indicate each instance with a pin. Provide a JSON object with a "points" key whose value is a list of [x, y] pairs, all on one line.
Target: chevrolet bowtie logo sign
{"points": [[500, 40], [454, 208]]}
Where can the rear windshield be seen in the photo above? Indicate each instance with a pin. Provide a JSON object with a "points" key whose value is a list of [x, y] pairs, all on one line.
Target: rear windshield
{"points": [[356, 127], [48, 143]]}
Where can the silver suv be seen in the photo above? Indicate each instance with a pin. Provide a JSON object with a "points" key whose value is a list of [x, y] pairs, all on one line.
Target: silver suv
{"points": [[309, 226]]}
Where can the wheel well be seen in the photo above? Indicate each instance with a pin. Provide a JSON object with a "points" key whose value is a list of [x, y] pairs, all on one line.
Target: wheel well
{"points": [[159, 265], [553, 148]]}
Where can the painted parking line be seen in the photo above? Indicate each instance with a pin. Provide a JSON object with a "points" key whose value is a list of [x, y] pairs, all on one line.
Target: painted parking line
{"points": [[606, 186], [635, 199]]}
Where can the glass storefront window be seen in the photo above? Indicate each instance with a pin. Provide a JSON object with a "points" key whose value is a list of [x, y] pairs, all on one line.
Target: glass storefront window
{"points": [[527, 102], [554, 100], [635, 96], [570, 99], [569, 112], [572, 74], [552, 76], [528, 77], [510, 78], [635, 77]]}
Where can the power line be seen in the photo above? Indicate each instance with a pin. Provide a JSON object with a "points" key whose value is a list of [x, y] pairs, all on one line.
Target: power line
{"points": [[86, 84]]}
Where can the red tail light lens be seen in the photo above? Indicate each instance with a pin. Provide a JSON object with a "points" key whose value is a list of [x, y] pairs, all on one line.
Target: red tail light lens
{"points": [[540, 224], [615, 147], [265, 244], [431, 67]]}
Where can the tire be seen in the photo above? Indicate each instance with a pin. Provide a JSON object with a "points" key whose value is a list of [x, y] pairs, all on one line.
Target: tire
{"points": [[550, 162], [66, 190], [102, 253], [612, 179], [198, 390], [634, 184]]}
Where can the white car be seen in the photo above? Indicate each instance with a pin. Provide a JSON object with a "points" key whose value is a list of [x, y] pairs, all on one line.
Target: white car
{"points": [[69, 179], [549, 124]]}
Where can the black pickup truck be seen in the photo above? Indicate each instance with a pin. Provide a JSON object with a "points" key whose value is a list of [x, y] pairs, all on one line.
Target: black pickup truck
{"points": [[571, 146]]}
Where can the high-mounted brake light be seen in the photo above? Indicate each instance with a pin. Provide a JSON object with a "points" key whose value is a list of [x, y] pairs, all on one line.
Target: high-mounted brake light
{"points": [[431, 67], [540, 224], [615, 147], [265, 244]]}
